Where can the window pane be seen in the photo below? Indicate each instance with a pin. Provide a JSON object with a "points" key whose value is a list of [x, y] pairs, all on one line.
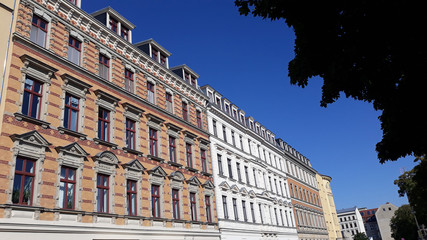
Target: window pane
{"points": [[70, 196], [29, 166], [35, 107], [19, 164], [28, 187], [61, 193], [16, 188], [73, 120]]}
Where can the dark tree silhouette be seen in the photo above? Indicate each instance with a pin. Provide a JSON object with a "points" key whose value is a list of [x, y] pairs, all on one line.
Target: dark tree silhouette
{"points": [[371, 51], [403, 224]]}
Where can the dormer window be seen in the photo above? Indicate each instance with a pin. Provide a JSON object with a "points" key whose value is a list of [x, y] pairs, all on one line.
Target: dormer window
{"points": [[125, 33], [242, 118], [154, 54], [234, 113], [163, 60], [187, 74], [187, 77], [227, 108], [218, 101], [114, 25]]}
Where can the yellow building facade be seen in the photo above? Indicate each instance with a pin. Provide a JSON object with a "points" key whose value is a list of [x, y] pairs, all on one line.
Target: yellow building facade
{"points": [[328, 205]]}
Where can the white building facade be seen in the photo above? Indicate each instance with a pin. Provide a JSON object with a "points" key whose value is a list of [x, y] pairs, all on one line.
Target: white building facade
{"points": [[253, 200], [351, 222]]}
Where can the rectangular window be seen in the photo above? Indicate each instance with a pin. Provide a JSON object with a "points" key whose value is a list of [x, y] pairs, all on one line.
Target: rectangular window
{"points": [[23, 183], [154, 54], [245, 215], [163, 60], [131, 197], [172, 149], [255, 181], [230, 169], [125, 33], [104, 124], [224, 133], [275, 216], [184, 111], [114, 24], [224, 206], [203, 160], [71, 112], [260, 213], [31, 105], [153, 142], [155, 201], [252, 211], [150, 92], [214, 127], [187, 77], [239, 175], [175, 204], [169, 105], [236, 214], [74, 50], [208, 209], [38, 32], [233, 140], [129, 82], [247, 174], [104, 67], [67, 187], [102, 196], [189, 154], [220, 170], [241, 142], [199, 118], [193, 207], [130, 134], [193, 82]]}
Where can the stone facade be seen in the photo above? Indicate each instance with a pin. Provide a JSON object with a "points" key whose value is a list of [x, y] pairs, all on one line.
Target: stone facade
{"points": [[351, 222], [384, 214], [40, 151]]}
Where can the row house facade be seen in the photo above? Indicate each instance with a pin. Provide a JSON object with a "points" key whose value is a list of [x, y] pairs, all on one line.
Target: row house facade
{"points": [[304, 192], [253, 200], [328, 206], [99, 137]]}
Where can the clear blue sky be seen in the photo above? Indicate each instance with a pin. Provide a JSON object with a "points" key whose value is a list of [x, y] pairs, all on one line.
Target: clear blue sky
{"points": [[246, 59]]}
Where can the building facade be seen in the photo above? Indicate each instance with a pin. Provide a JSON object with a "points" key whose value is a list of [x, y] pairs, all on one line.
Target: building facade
{"points": [[383, 215], [328, 206], [253, 200], [370, 222], [99, 137], [304, 194], [351, 222]]}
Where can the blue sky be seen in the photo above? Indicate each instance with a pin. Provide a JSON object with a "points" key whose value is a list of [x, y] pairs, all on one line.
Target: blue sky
{"points": [[246, 60]]}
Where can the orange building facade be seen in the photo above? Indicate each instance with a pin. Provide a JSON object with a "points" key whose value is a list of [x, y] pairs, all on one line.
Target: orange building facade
{"points": [[96, 130]]}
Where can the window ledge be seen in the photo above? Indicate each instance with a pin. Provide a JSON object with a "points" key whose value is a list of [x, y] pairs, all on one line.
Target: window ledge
{"points": [[155, 158], [105, 143], [101, 214], [63, 130], [192, 169], [206, 174], [133, 151], [175, 164], [232, 179], [22, 207], [22, 117]]}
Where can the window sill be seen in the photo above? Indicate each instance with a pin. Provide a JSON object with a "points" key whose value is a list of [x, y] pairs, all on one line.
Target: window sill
{"points": [[22, 117], [206, 174], [232, 179], [192, 169], [63, 130], [175, 164], [105, 143], [155, 158], [133, 151]]}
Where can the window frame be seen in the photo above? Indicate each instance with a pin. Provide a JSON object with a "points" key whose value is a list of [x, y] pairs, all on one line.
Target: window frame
{"points": [[104, 62], [155, 201], [184, 108], [107, 121], [71, 44], [69, 108], [153, 142], [169, 102], [23, 175], [225, 207], [151, 89], [130, 142], [193, 206], [129, 80], [199, 119], [100, 201], [203, 160], [176, 212], [40, 28], [189, 154], [30, 100], [208, 208], [172, 149], [132, 204], [67, 181]]}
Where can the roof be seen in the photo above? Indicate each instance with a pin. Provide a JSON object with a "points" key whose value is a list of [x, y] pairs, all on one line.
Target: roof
{"points": [[116, 15], [345, 210]]}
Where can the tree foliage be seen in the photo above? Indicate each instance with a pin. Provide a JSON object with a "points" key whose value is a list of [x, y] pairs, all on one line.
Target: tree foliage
{"points": [[360, 236], [403, 224], [412, 183], [371, 51]]}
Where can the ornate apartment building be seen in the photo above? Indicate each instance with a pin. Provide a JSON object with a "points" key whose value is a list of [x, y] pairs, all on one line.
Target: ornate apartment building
{"points": [[304, 192], [253, 200], [99, 137]]}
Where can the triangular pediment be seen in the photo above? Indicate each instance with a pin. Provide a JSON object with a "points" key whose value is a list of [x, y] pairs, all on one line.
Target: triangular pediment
{"points": [[177, 176], [252, 194], [73, 149], [32, 138], [243, 191], [224, 185], [234, 188], [134, 165], [194, 181], [158, 171], [208, 185]]}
